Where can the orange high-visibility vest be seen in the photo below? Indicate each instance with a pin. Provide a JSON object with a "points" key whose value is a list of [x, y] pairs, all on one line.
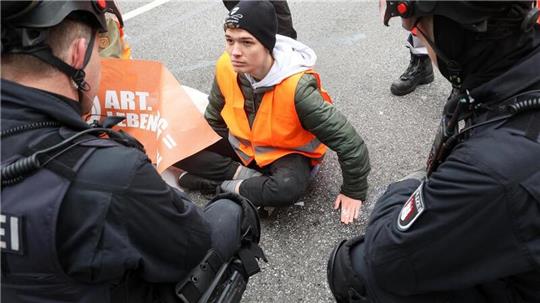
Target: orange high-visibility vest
{"points": [[276, 129]]}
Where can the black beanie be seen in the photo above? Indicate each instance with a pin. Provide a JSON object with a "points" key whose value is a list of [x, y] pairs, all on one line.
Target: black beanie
{"points": [[256, 17]]}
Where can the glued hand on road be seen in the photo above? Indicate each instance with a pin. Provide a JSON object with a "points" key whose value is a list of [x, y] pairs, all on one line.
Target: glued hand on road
{"points": [[350, 208]]}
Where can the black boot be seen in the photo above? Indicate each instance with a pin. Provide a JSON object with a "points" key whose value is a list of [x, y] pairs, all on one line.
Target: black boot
{"points": [[417, 73], [192, 182]]}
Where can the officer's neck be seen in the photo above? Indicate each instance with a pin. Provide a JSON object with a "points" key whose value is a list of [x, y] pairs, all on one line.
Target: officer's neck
{"points": [[58, 84]]}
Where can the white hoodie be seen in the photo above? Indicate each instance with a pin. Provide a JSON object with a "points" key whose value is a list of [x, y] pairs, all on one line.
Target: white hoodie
{"points": [[290, 57]]}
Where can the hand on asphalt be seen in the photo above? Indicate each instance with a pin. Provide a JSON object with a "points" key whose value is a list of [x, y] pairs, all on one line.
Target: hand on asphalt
{"points": [[350, 208]]}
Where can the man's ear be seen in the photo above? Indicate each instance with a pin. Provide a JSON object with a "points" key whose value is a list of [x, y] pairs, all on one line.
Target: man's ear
{"points": [[78, 52]]}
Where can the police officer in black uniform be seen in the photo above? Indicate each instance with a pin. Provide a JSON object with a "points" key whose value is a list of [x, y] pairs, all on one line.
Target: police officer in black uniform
{"points": [[85, 216], [469, 231]]}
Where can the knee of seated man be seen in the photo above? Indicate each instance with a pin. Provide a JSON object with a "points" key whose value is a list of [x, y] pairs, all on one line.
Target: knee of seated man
{"points": [[287, 190]]}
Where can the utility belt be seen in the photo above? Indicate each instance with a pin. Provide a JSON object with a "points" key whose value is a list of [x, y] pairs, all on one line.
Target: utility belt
{"points": [[464, 107]]}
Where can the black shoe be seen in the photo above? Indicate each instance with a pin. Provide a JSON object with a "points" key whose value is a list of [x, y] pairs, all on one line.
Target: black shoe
{"points": [[192, 182], [417, 73]]}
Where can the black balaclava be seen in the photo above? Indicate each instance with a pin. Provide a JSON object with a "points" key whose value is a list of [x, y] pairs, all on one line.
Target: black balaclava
{"points": [[256, 17], [483, 56]]}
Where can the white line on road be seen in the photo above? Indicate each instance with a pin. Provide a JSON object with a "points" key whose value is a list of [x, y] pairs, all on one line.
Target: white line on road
{"points": [[143, 9]]}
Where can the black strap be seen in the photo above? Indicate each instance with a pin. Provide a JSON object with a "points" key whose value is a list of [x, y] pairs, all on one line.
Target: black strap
{"points": [[200, 278], [61, 162], [52, 151], [249, 254], [77, 75]]}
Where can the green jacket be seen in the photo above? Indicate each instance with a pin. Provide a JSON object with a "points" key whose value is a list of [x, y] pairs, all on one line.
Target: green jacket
{"points": [[318, 117]]}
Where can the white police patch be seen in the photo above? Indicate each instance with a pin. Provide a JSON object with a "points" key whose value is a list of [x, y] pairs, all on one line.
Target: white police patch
{"points": [[412, 209], [11, 237]]}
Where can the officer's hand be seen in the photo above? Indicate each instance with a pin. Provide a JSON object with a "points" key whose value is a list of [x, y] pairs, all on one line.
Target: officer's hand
{"points": [[350, 208]]}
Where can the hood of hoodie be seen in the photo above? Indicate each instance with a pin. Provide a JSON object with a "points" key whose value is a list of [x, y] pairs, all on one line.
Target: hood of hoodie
{"points": [[290, 57]]}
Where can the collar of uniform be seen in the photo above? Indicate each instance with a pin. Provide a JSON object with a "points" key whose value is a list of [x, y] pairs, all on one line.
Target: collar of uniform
{"points": [[72, 103], [521, 77], [57, 107]]}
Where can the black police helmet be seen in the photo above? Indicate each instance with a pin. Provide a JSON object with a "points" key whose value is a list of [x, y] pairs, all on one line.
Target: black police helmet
{"points": [[25, 26], [498, 18], [472, 15], [46, 14]]}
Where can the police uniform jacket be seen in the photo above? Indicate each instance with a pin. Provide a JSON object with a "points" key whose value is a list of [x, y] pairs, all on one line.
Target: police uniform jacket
{"points": [[119, 228], [471, 232]]}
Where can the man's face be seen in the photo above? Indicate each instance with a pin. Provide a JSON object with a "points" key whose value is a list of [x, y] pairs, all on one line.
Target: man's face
{"points": [[247, 54], [93, 77]]}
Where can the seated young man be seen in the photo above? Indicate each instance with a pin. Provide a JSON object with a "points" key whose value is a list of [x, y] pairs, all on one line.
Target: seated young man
{"points": [[276, 121]]}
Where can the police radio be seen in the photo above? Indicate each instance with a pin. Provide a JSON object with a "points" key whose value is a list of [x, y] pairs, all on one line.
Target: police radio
{"points": [[445, 138]]}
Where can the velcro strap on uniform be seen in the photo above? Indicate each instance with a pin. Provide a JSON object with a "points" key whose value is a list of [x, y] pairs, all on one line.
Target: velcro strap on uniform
{"points": [[249, 254], [63, 164]]}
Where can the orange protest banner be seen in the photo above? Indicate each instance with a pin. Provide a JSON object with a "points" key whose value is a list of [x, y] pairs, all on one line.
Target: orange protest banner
{"points": [[158, 111]]}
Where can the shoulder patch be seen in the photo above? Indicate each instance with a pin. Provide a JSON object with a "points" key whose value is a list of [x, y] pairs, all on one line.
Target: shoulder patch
{"points": [[412, 209]]}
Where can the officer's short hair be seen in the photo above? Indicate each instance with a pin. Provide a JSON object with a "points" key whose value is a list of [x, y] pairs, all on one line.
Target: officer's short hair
{"points": [[59, 39]]}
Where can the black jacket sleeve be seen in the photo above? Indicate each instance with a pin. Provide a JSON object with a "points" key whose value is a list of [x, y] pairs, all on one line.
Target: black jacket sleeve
{"points": [[465, 236], [121, 217]]}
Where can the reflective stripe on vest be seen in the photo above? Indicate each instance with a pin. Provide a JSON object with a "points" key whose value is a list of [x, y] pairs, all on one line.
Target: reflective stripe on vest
{"points": [[276, 129], [236, 143]]}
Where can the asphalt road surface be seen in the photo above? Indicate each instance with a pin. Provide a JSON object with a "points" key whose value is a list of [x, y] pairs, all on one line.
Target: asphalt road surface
{"points": [[358, 58]]}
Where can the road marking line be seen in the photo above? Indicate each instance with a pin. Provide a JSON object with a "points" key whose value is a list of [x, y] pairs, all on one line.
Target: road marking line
{"points": [[143, 9]]}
